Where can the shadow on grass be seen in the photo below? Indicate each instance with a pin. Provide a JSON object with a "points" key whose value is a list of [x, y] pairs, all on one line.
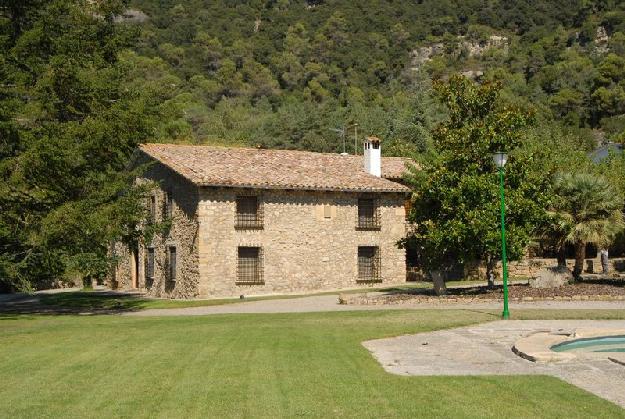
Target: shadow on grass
{"points": [[73, 302]]}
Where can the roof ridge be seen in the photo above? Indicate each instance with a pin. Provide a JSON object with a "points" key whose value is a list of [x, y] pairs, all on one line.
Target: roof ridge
{"points": [[288, 150]]}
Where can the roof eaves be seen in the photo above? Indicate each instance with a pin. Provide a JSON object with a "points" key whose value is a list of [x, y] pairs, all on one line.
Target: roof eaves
{"points": [[398, 189]]}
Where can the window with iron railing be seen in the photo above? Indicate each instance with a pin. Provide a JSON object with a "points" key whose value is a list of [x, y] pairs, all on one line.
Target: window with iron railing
{"points": [[249, 212], [368, 214], [169, 205], [172, 262], [149, 263], [250, 266], [369, 264]]}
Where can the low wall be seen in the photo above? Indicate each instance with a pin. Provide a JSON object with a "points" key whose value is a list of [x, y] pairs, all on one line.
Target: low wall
{"points": [[526, 268]]}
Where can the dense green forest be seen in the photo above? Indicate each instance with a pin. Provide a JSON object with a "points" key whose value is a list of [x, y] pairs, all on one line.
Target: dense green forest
{"points": [[84, 81], [284, 73]]}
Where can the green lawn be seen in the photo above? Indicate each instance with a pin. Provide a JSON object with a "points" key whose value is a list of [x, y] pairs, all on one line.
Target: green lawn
{"points": [[93, 300], [278, 365]]}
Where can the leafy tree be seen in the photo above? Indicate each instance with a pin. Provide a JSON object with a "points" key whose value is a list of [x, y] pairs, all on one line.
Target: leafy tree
{"points": [[455, 215], [69, 125], [587, 209]]}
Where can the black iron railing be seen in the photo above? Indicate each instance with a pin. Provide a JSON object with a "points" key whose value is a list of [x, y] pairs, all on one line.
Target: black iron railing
{"points": [[369, 264], [250, 266]]}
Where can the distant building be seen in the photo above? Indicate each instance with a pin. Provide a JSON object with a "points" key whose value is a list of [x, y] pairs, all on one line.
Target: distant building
{"points": [[253, 222]]}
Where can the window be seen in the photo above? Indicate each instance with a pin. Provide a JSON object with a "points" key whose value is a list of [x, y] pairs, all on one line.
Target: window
{"points": [[250, 265], [171, 264], [368, 218], [169, 205], [149, 263], [369, 264], [152, 209], [249, 212]]}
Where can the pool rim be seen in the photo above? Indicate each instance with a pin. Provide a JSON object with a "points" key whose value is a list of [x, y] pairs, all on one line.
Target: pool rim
{"points": [[536, 346]]}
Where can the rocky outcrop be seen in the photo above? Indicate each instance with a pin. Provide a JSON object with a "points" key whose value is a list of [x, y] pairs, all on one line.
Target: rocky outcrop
{"points": [[131, 16], [425, 53]]}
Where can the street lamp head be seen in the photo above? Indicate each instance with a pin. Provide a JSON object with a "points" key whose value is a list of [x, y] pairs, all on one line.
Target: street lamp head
{"points": [[500, 158]]}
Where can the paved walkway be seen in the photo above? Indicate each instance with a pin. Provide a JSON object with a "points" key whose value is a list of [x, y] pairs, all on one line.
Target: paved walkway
{"points": [[330, 303], [486, 349]]}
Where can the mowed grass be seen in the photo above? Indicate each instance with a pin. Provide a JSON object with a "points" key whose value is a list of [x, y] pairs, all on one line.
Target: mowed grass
{"points": [[270, 365], [93, 300]]}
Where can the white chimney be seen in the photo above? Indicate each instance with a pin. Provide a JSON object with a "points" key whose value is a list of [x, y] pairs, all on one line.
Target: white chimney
{"points": [[373, 156]]}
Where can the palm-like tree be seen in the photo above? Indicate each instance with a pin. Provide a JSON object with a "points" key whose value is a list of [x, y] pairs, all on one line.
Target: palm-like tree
{"points": [[587, 209]]}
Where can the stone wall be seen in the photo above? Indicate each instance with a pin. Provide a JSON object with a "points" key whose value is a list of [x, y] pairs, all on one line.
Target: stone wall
{"points": [[526, 268], [182, 233], [530, 267], [303, 250]]}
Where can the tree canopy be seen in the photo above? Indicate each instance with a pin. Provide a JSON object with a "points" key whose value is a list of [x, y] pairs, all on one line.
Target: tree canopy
{"points": [[68, 124], [455, 210]]}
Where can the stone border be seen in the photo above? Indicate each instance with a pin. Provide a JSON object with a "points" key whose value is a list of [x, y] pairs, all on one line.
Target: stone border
{"points": [[537, 347]]}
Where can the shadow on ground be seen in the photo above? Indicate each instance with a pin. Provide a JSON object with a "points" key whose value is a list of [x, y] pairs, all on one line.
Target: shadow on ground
{"points": [[74, 302]]}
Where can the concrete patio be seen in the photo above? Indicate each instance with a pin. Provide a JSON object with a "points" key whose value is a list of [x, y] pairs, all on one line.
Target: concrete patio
{"points": [[486, 349]]}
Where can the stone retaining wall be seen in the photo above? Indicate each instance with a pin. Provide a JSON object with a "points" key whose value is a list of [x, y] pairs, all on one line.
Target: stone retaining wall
{"points": [[364, 299], [526, 268]]}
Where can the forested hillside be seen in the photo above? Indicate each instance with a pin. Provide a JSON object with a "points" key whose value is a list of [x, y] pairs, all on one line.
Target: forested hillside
{"points": [[83, 82], [284, 73]]}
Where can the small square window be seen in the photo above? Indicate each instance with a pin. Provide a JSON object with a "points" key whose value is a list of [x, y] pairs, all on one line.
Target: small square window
{"points": [[369, 264], [250, 265], [171, 264], [249, 213]]}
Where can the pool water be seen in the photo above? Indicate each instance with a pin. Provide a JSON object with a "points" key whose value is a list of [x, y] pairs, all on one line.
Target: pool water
{"points": [[599, 344]]}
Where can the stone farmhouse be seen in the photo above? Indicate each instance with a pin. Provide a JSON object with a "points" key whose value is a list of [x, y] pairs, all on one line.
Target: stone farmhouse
{"points": [[241, 221]]}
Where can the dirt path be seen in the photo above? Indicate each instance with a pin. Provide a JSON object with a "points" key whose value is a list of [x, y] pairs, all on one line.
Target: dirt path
{"points": [[330, 303]]}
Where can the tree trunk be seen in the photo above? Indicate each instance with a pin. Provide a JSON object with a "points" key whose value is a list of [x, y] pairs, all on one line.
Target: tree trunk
{"points": [[580, 256], [438, 278], [491, 264], [562, 257]]}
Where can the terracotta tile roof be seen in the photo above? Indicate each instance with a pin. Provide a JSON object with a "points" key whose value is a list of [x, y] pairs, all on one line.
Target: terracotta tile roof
{"points": [[275, 169]]}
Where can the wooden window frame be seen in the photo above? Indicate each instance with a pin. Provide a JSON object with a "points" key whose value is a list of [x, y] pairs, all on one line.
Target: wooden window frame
{"points": [[244, 277]]}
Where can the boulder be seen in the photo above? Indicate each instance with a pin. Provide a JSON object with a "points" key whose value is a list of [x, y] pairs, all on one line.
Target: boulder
{"points": [[554, 277]]}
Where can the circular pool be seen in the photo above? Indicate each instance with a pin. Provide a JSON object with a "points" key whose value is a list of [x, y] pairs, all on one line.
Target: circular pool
{"points": [[594, 344], [567, 345]]}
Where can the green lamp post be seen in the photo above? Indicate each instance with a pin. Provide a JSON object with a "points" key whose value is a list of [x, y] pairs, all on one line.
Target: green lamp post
{"points": [[500, 158]]}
